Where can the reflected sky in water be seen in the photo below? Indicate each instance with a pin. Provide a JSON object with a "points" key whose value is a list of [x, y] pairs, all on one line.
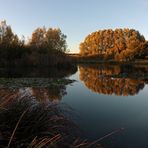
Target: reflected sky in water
{"points": [[101, 113]]}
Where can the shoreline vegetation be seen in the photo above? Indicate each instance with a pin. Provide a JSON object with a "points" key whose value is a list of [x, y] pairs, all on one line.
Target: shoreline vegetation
{"points": [[119, 46], [96, 59], [47, 47]]}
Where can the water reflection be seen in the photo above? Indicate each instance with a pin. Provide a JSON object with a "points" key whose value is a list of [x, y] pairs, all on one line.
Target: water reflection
{"points": [[33, 72], [43, 84], [121, 80]]}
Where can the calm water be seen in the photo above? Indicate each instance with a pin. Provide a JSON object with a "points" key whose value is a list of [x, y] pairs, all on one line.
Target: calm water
{"points": [[109, 98], [105, 98]]}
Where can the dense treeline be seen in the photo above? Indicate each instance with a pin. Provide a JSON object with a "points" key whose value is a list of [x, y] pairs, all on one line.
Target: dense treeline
{"points": [[118, 44], [46, 47]]}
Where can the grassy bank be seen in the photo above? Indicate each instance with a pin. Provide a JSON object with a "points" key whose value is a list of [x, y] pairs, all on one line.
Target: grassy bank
{"points": [[77, 58]]}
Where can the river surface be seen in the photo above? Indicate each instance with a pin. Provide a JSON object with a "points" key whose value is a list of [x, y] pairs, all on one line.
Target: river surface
{"points": [[106, 104], [105, 99]]}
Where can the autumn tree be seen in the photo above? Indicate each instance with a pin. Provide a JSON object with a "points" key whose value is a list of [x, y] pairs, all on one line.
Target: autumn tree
{"points": [[46, 47], [119, 44], [38, 38], [7, 37], [48, 40], [10, 44]]}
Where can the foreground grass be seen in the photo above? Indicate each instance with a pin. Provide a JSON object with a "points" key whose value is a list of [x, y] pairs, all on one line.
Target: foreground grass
{"points": [[24, 122], [27, 123]]}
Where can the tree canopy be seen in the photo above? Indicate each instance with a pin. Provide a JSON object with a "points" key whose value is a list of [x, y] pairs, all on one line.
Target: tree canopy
{"points": [[118, 44], [10, 44], [7, 38], [45, 47], [48, 39]]}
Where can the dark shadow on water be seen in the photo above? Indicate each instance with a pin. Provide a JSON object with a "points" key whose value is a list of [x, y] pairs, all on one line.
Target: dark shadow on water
{"points": [[121, 80], [45, 84], [33, 72]]}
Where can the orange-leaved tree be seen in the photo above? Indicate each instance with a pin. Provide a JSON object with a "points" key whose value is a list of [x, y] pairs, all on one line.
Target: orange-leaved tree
{"points": [[118, 44]]}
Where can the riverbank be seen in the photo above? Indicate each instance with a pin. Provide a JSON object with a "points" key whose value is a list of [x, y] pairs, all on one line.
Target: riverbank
{"points": [[77, 58]]}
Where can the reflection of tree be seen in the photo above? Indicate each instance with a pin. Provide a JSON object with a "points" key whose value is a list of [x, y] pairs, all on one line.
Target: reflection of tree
{"points": [[111, 80], [51, 94], [42, 91], [42, 72], [42, 83]]}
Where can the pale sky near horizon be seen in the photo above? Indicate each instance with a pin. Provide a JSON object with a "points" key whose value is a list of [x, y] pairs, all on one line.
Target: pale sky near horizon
{"points": [[76, 18]]}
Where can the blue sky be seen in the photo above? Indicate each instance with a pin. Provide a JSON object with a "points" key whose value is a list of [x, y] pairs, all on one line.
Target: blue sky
{"points": [[76, 18]]}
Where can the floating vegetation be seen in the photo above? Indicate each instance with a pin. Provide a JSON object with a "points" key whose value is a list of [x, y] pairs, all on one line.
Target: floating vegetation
{"points": [[33, 82]]}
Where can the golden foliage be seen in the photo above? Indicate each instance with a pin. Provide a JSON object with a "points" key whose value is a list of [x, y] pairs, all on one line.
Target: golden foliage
{"points": [[118, 44], [48, 39]]}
